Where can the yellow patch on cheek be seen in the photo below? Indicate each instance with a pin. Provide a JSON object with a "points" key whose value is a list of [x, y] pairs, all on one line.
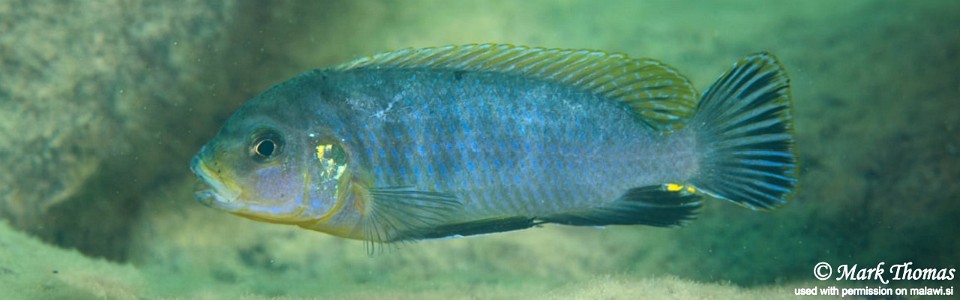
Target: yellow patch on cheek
{"points": [[330, 165], [322, 149]]}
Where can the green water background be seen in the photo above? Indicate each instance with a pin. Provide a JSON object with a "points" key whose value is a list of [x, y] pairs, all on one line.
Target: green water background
{"points": [[877, 111]]}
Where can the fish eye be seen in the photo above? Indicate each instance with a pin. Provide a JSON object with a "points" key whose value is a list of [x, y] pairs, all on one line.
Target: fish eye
{"points": [[265, 146]]}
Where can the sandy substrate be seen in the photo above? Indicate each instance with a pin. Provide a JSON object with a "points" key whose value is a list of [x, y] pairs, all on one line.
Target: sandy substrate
{"points": [[34, 270]]}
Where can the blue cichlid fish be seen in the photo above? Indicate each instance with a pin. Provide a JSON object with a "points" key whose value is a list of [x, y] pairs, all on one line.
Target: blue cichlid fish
{"points": [[465, 140]]}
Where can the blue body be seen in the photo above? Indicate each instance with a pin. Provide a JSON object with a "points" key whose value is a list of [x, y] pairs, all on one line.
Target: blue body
{"points": [[504, 145]]}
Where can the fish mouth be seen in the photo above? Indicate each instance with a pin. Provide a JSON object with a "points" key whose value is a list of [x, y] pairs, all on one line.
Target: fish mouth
{"points": [[213, 191]]}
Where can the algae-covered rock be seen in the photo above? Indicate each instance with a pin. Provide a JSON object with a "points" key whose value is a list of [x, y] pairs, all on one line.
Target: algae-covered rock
{"points": [[55, 110], [82, 84]]}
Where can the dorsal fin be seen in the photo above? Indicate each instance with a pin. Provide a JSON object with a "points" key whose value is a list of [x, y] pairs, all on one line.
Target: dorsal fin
{"points": [[661, 98]]}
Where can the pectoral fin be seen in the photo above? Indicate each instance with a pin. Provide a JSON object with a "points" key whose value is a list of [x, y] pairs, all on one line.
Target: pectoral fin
{"points": [[397, 213]]}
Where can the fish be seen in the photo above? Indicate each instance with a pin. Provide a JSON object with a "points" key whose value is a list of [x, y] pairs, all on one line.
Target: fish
{"points": [[475, 139]]}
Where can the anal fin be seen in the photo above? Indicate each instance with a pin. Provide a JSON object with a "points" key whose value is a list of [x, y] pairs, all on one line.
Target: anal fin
{"points": [[491, 225], [656, 205]]}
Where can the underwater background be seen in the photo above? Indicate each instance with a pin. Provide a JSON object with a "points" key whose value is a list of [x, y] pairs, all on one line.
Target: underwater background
{"points": [[102, 104]]}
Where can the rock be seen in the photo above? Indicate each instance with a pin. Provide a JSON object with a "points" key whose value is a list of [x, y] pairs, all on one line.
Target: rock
{"points": [[82, 84]]}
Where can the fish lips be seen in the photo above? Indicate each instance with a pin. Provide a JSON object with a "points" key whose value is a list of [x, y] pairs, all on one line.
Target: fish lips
{"points": [[213, 191]]}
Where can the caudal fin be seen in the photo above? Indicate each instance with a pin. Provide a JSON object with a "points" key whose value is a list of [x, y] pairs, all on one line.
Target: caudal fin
{"points": [[744, 128]]}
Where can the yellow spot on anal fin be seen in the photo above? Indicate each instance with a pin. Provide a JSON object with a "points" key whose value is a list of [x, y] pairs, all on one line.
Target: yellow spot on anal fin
{"points": [[673, 187]]}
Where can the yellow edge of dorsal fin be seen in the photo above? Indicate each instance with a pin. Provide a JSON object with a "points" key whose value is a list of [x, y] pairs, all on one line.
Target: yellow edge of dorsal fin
{"points": [[661, 97]]}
